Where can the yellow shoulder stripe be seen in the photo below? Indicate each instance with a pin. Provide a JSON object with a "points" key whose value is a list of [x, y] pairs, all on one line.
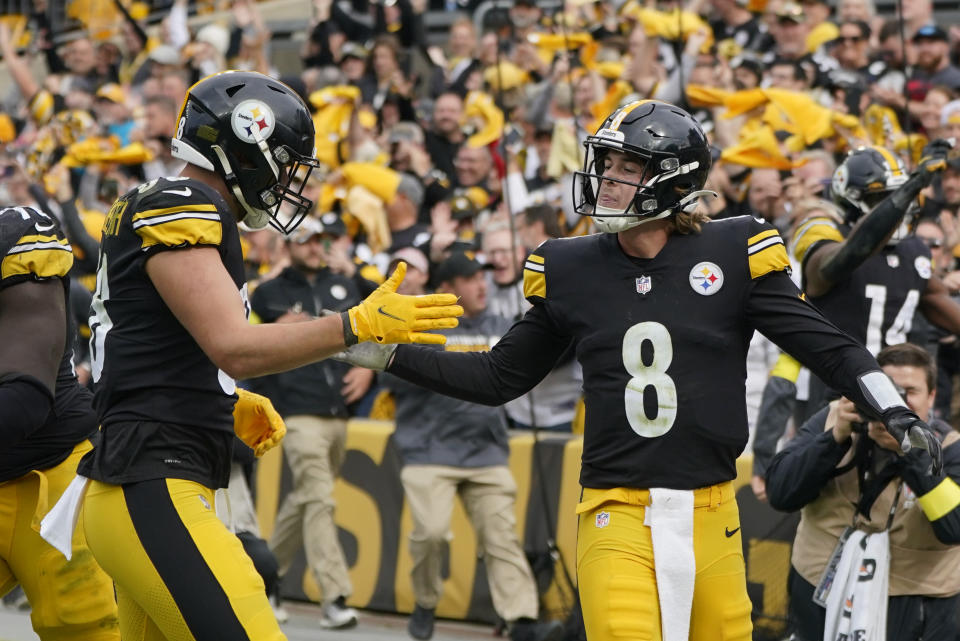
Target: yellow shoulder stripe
{"points": [[764, 234], [534, 284], [941, 500], [198, 208], [812, 231], [45, 260], [181, 231], [786, 367], [535, 258], [768, 259]]}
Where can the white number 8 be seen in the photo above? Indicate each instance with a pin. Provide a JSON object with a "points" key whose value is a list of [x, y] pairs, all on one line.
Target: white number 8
{"points": [[654, 374]]}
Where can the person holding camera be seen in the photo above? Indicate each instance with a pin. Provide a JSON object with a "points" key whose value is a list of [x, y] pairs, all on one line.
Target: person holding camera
{"points": [[876, 555]]}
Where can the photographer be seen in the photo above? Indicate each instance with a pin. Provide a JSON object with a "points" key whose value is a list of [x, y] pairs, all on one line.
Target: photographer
{"points": [[877, 527]]}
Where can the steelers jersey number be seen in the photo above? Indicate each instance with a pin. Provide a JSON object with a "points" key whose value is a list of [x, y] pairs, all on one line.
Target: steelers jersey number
{"points": [[897, 332], [100, 321], [647, 375]]}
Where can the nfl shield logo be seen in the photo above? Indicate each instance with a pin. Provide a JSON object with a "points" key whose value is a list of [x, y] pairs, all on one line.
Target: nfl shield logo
{"points": [[603, 519], [644, 283]]}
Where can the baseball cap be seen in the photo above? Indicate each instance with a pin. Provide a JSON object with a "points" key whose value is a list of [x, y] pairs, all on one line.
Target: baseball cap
{"points": [[791, 11], [353, 50], [461, 207], [412, 257], [459, 263], [930, 32], [329, 223], [112, 92], [406, 132]]}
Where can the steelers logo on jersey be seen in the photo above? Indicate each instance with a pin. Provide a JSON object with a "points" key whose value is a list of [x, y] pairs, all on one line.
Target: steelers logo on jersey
{"points": [[923, 267], [252, 117], [706, 278]]}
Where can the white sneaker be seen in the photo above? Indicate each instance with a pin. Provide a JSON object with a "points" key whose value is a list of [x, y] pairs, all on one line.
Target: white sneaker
{"points": [[279, 612], [337, 616]]}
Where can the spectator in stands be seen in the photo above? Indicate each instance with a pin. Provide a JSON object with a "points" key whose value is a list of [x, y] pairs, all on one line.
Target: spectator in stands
{"points": [[159, 119], [450, 447], [841, 470], [314, 401], [445, 137], [933, 65]]}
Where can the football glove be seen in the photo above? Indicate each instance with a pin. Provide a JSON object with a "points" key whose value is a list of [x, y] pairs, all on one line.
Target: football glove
{"points": [[910, 432], [256, 422], [933, 160], [388, 317], [369, 355]]}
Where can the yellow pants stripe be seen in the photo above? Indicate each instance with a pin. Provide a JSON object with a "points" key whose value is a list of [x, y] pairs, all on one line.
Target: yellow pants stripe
{"points": [[180, 574]]}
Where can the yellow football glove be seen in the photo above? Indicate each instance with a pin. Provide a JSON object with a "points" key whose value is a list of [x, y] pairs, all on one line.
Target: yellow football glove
{"points": [[256, 422], [388, 317]]}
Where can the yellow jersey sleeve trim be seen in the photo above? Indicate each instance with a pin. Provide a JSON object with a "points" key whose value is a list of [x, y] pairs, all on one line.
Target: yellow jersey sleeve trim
{"points": [[181, 209], [44, 260], [786, 367], [534, 284], [941, 500], [185, 230], [536, 259], [767, 255], [812, 231], [762, 235]]}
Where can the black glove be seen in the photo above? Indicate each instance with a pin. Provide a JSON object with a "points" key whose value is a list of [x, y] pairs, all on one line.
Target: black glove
{"points": [[910, 432], [933, 159]]}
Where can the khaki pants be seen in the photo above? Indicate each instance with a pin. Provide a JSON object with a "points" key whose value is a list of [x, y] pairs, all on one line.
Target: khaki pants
{"points": [[488, 495], [314, 448]]}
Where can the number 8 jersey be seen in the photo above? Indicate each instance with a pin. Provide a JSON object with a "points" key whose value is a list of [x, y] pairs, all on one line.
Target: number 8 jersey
{"points": [[663, 345]]}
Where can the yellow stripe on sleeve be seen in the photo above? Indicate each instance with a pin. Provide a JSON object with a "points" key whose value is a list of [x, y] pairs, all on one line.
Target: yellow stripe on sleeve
{"points": [[811, 232], [771, 259], [786, 367], [535, 259], [46, 262], [198, 207], [941, 500], [762, 235], [181, 231], [534, 284]]}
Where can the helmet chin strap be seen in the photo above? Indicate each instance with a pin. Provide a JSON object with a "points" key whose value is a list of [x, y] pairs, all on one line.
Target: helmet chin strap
{"points": [[613, 221], [254, 218]]}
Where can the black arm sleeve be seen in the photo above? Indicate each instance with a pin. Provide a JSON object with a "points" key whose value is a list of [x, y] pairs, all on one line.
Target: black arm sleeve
{"points": [[526, 353], [776, 408], [798, 473], [872, 231], [918, 478], [775, 308]]}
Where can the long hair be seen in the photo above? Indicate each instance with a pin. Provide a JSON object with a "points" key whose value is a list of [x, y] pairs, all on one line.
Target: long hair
{"points": [[684, 223]]}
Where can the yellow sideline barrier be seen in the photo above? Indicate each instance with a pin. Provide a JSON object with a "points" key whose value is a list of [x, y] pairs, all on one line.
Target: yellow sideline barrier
{"points": [[375, 524]]}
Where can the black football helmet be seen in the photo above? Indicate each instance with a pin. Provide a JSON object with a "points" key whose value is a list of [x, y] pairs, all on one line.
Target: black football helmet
{"points": [[671, 146], [257, 134], [865, 177]]}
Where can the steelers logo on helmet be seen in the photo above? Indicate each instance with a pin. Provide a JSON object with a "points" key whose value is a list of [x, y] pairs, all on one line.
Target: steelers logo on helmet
{"points": [[706, 278], [252, 118]]}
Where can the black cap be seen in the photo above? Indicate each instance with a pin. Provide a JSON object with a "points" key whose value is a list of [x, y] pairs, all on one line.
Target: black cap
{"points": [[930, 32], [459, 263], [461, 207]]}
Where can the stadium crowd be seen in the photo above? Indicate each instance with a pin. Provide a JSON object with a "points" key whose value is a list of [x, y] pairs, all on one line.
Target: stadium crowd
{"points": [[458, 158]]}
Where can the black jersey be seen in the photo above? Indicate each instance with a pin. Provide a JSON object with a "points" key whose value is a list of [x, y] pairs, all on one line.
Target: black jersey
{"points": [[662, 342], [876, 303], [33, 248], [165, 409]]}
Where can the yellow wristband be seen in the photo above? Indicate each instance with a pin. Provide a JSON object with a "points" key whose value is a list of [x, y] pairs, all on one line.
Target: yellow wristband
{"points": [[941, 500]]}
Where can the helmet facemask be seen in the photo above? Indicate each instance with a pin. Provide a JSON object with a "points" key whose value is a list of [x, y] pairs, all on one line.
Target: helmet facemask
{"points": [[658, 176]]}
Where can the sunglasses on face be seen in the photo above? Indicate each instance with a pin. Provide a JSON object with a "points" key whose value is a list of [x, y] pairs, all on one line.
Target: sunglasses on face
{"points": [[853, 39], [932, 243]]}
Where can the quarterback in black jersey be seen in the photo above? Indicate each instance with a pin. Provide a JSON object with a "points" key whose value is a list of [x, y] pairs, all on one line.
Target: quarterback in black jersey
{"points": [[661, 307], [169, 334], [45, 423]]}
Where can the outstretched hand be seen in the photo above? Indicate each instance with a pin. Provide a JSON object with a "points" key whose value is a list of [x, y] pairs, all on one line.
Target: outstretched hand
{"points": [[388, 317]]}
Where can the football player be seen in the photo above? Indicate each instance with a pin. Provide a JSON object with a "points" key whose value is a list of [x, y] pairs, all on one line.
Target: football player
{"points": [[661, 305], [170, 335], [46, 419], [866, 273]]}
